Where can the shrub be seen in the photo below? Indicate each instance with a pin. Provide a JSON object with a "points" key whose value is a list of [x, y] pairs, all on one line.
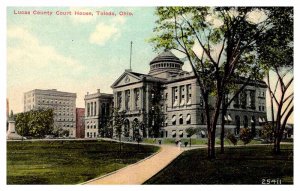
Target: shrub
{"points": [[232, 138], [246, 135], [267, 132]]}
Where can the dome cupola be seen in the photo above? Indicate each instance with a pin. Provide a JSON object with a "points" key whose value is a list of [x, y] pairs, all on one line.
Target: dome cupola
{"points": [[165, 61]]}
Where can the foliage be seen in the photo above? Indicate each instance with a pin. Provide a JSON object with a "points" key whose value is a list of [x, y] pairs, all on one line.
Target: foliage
{"points": [[156, 116], [192, 131], [275, 52], [220, 43], [118, 122], [232, 138], [267, 133], [35, 123], [246, 135]]}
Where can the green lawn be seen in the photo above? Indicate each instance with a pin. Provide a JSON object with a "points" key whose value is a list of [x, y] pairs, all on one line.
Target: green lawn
{"points": [[194, 141], [68, 162], [239, 165]]}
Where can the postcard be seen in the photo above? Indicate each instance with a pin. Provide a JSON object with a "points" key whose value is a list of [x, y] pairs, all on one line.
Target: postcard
{"points": [[150, 95]]}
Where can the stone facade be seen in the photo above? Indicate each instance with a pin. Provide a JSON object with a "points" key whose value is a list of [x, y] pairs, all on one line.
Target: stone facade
{"points": [[62, 103], [181, 103], [97, 111]]}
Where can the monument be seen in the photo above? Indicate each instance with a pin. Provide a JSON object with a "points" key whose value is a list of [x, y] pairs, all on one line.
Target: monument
{"points": [[11, 132]]}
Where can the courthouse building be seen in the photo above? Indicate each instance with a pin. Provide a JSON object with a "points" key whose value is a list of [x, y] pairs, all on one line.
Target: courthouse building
{"points": [[98, 107], [62, 103], [181, 102]]}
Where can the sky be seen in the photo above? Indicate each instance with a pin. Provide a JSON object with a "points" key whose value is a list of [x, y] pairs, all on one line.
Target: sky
{"points": [[76, 53]]}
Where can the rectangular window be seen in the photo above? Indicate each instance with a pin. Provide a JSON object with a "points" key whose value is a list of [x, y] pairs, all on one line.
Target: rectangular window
{"points": [[137, 98], [88, 109], [189, 94], [182, 97], [95, 109], [175, 97], [127, 99], [119, 100]]}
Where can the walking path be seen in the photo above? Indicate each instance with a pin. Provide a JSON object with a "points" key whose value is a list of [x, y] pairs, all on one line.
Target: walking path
{"points": [[141, 171]]}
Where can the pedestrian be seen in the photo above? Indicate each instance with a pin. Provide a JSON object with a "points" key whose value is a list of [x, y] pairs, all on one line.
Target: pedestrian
{"points": [[179, 144]]}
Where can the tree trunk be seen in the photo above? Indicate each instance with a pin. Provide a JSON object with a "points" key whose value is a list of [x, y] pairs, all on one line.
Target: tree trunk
{"points": [[277, 145], [223, 125], [120, 144], [212, 154], [208, 143]]}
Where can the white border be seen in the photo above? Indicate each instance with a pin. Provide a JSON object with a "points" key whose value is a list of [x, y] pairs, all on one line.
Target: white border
{"points": [[136, 3]]}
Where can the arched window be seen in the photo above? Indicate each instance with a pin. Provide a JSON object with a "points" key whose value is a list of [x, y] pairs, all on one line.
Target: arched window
{"points": [[245, 121], [174, 120], [188, 119], [238, 124], [126, 128], [180, 119]]}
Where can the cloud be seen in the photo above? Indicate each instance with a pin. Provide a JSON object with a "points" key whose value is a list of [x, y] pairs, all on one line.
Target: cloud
{"points": [[32, 53], [103, 33], [32, 64]]}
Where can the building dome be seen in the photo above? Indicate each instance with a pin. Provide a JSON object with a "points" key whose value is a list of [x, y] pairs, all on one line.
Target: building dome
{"points": [[165, 61]]}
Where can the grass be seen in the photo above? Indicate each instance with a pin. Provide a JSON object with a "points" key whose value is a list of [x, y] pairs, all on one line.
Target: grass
{"points": [[195, 141], [239, 165], [68, 162]]}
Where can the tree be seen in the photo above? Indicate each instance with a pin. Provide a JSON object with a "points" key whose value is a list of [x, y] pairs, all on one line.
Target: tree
{"points": [[267, 133], [118, 123], [220, 45], [156, 116], [276, 55], [35, 123], [192, 131], [136, 126], [246, 135]]}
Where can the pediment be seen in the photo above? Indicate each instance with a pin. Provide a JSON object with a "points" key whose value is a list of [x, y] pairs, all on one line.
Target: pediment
{"points": [[126, 78]]}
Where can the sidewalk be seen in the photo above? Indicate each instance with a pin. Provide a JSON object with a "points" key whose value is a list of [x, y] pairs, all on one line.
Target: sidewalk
{"points": [[141, 171]]}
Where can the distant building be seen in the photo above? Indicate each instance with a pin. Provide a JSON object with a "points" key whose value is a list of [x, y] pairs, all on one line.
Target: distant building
{"points": [[80, 122], [62, 103], [97, 111], [7, 113], [180, 101], [7, 108]]}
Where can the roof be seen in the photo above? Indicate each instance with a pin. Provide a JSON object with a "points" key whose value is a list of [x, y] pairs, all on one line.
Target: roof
{"points": [[166, 56]]}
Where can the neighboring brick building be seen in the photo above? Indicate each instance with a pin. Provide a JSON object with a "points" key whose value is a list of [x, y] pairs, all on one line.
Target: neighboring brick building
{"points": [[80, 122], [62, 103]]}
